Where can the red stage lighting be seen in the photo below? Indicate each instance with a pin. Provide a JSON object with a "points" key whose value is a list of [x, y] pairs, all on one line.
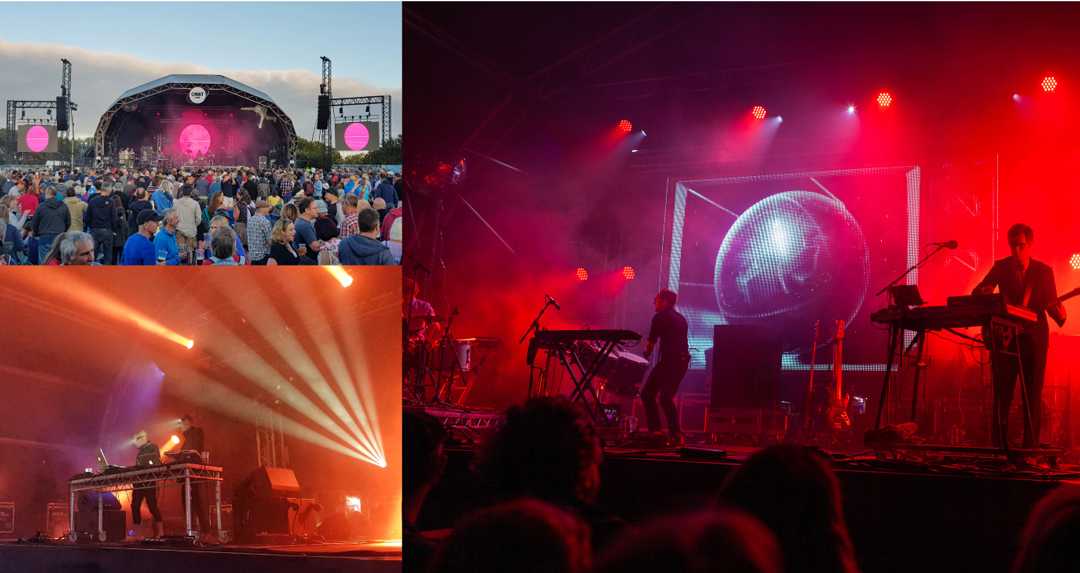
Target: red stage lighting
{"points": [[884, 100], [625, 126], [582, 274], [629, 273], [1049, 84], [758, 112], [1074, 261]]}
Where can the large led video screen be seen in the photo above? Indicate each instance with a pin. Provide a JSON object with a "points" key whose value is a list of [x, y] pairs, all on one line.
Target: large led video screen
{"points": [[356, 136], [782, 251], [37, 139]]}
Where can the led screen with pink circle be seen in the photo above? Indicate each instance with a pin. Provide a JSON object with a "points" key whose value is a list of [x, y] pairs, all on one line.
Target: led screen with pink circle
{"points": [[356, 136], [37, 139], [194, 140]]}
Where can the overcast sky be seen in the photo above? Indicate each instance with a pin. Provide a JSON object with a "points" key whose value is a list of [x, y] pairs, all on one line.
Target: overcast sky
{"points": [[274, 47]]}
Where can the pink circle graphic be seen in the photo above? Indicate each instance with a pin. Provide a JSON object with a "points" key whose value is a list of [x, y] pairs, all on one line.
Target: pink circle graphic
{"points": [[37, 138], [356, 136], [194, 140]]}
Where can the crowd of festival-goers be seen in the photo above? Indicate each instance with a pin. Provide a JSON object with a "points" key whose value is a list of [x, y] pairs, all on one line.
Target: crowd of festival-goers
{"points": [[780, 511], [234, 216]]}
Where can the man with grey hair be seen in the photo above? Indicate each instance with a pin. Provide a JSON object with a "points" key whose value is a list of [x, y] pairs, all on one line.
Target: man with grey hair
{"points": [[77, 249], [222, 247], [165, 240]]}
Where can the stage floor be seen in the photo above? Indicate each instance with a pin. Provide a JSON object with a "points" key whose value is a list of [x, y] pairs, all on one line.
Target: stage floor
{"points": [[375, 557], [944, 514]]}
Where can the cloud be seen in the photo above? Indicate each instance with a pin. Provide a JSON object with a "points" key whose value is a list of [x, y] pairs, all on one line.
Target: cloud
{"points": [[32, 72]]}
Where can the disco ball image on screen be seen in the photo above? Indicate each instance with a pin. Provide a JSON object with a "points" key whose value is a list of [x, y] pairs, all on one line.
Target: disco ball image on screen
{"points": [[356, 136], [780, 252], [37, 139]]}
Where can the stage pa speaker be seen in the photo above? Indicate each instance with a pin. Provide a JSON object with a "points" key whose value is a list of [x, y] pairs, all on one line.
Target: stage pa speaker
{"points": [[275, 482], [61, 114], [262, 503], [323, 120], [745, 367]]}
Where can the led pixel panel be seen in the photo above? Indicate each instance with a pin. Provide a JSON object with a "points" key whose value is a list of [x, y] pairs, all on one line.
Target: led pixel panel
{"points": [[785, 250], [37, 139], [356, 136]]}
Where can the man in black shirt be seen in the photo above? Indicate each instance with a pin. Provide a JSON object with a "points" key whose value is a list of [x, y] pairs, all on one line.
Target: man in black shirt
{"points": [[1030, 283], [148, 455], [192, 441], [670, 328]]}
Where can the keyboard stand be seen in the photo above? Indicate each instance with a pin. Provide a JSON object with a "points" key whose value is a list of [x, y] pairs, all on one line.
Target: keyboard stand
{"points": [[994, 324]]}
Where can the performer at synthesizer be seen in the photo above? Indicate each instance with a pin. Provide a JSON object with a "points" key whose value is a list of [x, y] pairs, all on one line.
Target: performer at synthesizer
{"points": [[670, 328], [420, 328], [149, 455], [191, 448], [418, 313], [1027, 282]]}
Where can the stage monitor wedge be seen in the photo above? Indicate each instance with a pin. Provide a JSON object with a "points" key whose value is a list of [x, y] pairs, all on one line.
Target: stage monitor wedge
{"points": [[37, 139], [355, 136]]}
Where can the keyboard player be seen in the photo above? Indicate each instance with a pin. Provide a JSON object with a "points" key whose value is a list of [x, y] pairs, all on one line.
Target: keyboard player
{"points": [[1023, 281]]}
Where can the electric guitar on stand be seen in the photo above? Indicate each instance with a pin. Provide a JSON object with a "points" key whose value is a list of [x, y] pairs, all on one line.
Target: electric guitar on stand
{"points": [[838, 418]]}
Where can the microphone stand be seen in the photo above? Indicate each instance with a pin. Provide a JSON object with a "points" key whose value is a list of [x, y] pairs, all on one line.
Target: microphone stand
{"points": [[896, 332], [535, 326], [536, 322]]}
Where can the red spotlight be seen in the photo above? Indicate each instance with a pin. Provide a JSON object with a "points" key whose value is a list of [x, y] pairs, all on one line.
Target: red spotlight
{"points": [[629, 273], [1049, 84], [884, 100], [582, 274], [625, 126], [758, 112], [1074, 261]]}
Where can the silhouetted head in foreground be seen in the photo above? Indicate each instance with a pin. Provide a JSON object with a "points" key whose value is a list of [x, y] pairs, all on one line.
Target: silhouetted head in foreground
{"points": [[794, 492], [547, 449], [523, 536], [1051, 538], [725, 540]]}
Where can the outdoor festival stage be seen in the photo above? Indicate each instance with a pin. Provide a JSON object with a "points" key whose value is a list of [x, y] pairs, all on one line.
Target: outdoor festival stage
{"points": [[903, 516], [68, 558]]}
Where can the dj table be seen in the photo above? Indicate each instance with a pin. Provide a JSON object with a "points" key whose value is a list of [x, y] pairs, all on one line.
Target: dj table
{"points": [[165, 474]]}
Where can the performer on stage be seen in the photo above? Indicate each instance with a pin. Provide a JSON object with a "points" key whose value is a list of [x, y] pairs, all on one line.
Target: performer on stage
{"points": [[149, 455], [420, 329], [670, 328], [1027, 282], [192, 441], [417, 313]]}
